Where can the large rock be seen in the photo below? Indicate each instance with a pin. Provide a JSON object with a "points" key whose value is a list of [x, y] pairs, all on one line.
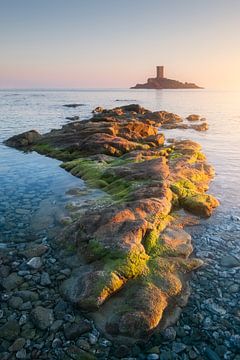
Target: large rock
{"points": [[10, 330], [75, 330], [12, 281], [42, 317], [23, 140], [132, 249], [230, 261]]}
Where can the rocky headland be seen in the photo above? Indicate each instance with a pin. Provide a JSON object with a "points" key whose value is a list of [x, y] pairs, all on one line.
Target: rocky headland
{"points": [[132, 255]]}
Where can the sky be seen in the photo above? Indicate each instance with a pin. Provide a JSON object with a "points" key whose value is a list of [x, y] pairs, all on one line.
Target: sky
{"points": [[118, 43]]}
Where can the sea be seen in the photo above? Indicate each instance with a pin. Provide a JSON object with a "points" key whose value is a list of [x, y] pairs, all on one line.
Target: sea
{"points": [[34, 190]]}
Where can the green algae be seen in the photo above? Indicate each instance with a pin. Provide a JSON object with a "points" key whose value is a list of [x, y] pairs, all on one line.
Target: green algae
{"points": [[200, 204], [183, 188], [95, 174], [60, 154], [127, 265], [175, 155], [97, 249], [154, 245]]}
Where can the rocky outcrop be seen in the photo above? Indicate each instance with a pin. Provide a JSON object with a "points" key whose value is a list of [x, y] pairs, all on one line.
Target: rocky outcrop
{"points": [[164, 83], [134, 253], [24, 140]]}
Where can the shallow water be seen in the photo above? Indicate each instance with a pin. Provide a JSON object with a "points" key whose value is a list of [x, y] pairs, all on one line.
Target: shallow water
{"points": [[33, 186]]}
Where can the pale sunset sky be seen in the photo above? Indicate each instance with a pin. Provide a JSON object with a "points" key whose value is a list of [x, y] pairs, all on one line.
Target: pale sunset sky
{"points": [[117, 43]]}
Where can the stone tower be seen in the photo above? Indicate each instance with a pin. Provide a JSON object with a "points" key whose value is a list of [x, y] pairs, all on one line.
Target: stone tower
{"points": [[160, 72]]}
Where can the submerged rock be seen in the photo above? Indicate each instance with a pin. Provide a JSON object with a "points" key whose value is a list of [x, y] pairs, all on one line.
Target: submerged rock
{"points": [[35, 263], [73, 105], [42, 317], [73, 118], [10, 330], [230, 261], [134, 251]]}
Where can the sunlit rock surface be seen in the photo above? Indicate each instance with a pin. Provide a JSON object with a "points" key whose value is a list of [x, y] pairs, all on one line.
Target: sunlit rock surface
{"points": [[133, 251]]}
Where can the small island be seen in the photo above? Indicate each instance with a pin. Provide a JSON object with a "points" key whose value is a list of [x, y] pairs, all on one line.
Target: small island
{"points": [[160, 82]]}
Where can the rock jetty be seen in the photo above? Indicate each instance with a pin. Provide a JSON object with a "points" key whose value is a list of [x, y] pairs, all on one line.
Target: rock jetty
{"points": [[133, 251]]}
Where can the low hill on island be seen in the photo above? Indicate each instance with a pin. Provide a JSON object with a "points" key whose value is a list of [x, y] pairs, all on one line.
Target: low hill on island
{"points": [[160, 82]]}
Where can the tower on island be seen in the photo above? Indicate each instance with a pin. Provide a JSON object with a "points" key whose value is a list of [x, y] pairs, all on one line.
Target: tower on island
{"points": [[160, 82], [160, 72]]}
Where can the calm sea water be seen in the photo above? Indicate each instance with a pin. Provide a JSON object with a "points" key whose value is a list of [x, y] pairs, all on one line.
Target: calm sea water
{"points": [[33, 187]]}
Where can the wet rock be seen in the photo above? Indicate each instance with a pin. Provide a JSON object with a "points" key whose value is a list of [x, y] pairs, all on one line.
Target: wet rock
{"points": [[178, 347], [215, 308], [21, 354], [12, 281], [211, 354], [166, 355], [15, 302], [73, 105], [200, 127], [10, 330], [23, 319], [57, 343], [27, 295], [35, 263], [73, 331], [230, 261], [17, 345], [169, 334], [92, 339], [4, 271], [56, 325], [25, 139], [42, 317], [234, 288], [235, 341], [26, 306], [73, 118], [193, 117], [122, 351], [75, 353], [35, 250], [153, 357], [45, 279]]}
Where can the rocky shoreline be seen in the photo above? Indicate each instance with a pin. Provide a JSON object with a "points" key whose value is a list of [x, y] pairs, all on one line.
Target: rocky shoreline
{"points": [[129, 251]]}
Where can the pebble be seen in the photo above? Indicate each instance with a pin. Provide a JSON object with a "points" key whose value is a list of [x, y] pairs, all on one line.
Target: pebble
{"points": [[169, 334], [211, 355], [23, 319], [1, 314], [92, 339], [153, 357], [178, 347], [21, 354], [17, 345], [42, 317], [230, 261], [57, 343], [35, 263], [45, 279], [56, 325]]}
